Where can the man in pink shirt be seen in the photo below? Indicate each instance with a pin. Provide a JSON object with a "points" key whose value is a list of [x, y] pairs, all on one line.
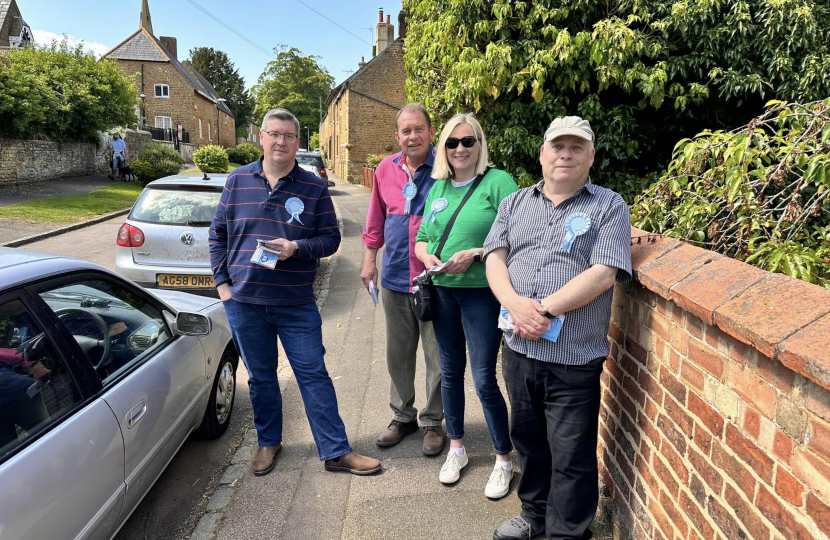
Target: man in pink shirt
{"points": [[402, 183]]}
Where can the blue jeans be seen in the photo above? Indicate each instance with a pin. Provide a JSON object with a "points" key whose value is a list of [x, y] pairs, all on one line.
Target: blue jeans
{"points": [[255, 329], [467, 319]]}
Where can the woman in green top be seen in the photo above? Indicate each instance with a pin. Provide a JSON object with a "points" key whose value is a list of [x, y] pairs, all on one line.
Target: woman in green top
{"points": [[466, 311]]}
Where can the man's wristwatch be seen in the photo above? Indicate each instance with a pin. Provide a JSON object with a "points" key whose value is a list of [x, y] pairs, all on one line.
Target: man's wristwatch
{"points": [[547, 313], [476, 256]]}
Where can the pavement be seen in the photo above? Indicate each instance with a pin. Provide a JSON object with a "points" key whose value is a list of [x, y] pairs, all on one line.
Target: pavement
{"points": [[12, 229], [299, 499]]}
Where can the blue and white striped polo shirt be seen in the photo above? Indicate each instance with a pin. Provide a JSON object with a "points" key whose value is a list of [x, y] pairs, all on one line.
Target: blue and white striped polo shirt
{"points": [[532, 229]]}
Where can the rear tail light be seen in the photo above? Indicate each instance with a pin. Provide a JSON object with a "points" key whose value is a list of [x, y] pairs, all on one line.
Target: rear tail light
{"points": [[323, 172], [129, 236]]}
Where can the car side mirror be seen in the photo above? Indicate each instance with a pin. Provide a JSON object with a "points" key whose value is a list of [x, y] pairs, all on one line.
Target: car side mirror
{"points": [[189, 324]]}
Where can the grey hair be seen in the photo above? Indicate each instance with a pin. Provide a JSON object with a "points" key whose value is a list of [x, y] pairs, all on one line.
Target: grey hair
{"points": [[280, 114], [413, 107]]}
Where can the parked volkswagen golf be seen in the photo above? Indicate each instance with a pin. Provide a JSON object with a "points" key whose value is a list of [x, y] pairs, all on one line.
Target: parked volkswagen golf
{"points": [[163, 244], [100, 384]]}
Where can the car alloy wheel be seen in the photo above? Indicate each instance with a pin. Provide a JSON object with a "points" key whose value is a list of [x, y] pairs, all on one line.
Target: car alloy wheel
{"points": [[225, 389]]}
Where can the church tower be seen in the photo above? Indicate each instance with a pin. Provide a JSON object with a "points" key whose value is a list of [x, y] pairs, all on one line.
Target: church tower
{"points": [[146, 21]]}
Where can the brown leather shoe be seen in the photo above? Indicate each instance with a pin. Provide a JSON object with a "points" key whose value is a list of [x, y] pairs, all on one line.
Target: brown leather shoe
{"points": [[354, 463], [434, 440], [396, 432], [265, 459]]}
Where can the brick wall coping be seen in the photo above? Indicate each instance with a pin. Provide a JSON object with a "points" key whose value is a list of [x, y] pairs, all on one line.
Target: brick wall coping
{"points": [[784, 318]]}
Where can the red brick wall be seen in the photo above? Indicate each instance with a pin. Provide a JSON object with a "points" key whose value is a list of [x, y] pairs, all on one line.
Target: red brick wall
{"points": [[715, 419]]}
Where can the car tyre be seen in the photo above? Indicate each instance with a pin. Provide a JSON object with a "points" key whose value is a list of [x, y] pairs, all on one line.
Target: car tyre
{"points": [[222, 397]]}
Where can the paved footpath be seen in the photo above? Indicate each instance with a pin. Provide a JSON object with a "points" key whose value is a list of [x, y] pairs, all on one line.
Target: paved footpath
{"points": [[299, 499]]}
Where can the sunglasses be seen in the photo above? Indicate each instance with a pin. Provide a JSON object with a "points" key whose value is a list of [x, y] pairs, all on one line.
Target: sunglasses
{"points": [[466, 142]]}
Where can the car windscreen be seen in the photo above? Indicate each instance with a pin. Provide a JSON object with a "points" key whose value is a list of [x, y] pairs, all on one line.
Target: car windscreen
{"points": [[317, 161], [177, 205]]}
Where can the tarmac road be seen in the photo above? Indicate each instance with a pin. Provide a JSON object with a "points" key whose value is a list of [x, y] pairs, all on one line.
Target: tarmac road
{"points": [[176, 501]]}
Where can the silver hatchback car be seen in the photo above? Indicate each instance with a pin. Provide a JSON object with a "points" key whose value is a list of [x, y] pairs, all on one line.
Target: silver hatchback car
{"points": [[100, 384], [163, 244]]}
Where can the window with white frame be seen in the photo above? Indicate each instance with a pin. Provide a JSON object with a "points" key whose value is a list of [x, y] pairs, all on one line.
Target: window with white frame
{"points": [[162, 91], [164, 122], [209, 137], [200, 129]]}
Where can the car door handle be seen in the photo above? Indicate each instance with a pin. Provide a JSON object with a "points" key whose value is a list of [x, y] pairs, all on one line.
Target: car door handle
{"points": [[136, 414]]}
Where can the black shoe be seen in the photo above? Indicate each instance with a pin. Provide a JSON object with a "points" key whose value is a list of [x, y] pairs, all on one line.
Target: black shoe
{"points": [[518, 528]]}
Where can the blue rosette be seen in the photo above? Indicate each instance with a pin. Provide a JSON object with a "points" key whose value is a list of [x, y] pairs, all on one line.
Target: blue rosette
{"points": [[409, 192], [294, 207], [576, 224], [438, 205]]}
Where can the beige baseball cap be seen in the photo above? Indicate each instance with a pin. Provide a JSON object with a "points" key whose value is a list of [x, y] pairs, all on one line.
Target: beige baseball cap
{"points": [[569, 125]]}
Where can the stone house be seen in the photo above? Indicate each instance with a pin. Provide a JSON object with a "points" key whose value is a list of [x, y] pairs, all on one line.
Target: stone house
{"points": [[173, 94], [14, 32], [252, 136], [360, 111]]}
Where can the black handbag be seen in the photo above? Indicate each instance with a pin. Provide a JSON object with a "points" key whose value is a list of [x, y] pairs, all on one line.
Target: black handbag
{"points": [[423, 290]]}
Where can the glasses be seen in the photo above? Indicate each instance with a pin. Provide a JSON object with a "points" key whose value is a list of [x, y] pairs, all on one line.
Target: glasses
{"points": [[276, 135], [466, 142]]}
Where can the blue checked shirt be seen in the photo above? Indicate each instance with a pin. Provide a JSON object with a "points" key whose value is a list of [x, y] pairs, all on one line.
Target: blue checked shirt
{"points": [[532, 229]]}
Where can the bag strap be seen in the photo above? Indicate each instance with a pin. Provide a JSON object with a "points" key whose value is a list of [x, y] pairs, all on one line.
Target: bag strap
{"points": [[450, 223]]}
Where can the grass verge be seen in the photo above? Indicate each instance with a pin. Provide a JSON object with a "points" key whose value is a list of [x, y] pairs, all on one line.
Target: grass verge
{"points": [[195, 170], [72, 208]]}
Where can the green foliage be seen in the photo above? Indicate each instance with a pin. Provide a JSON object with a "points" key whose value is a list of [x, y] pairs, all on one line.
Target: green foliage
{"points": [[62, 92], [163, 160], [294, 82], [211, 159], [759, 193], [242, 132], [315, 141], [373, 160], [644, 73], [244, 153], [217, 68], [144, 171]]}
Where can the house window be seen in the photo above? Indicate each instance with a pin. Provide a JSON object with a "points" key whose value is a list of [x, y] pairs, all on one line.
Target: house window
{"points": [[200, 129], [162, 90], [209, 137], [164, 122]]}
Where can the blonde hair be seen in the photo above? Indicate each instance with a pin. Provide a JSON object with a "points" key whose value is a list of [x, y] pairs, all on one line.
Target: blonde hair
{"points": [[441, 169]]}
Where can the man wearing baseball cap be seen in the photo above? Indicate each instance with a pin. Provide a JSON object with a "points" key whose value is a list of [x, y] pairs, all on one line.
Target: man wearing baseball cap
{"points": [[553, 256]]}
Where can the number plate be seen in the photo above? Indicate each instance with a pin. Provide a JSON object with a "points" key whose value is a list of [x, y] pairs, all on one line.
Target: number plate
{"points": [[174, 281]]}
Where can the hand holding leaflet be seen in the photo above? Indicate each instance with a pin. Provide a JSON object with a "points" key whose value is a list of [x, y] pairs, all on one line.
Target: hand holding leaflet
{"points": [[265, 254], [373, 292], [551, 334]]}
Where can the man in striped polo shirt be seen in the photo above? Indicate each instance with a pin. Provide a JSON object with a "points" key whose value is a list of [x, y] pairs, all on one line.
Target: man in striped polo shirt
{"points": [[557, 248], [274, 199]]}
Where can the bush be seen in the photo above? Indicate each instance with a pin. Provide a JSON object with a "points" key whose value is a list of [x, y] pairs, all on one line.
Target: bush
{"points": [[211, 159], [643, 73], [373, 160], [759, 193], [242, 132], [244, 153], [144, 171], [164, 160], [63, 93]]}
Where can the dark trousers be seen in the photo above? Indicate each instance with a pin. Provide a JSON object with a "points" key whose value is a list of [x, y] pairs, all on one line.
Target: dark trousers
{"points": [[553, 422]]}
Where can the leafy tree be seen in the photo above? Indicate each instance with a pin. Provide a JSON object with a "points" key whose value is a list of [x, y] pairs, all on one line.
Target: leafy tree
{"points": [[644, 73], [62, 92], [759, 193], [215, 66], [315, 141], [294, 82]]}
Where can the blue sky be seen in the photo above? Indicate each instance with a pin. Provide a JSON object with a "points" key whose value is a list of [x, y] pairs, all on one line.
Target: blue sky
{"points": [[267, 23]]}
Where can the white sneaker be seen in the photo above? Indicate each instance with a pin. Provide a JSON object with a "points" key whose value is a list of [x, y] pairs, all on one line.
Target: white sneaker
{"points": [[451, 470], [499, 483]]}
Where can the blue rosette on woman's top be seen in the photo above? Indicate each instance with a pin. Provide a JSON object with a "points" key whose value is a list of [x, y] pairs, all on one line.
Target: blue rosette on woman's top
{"points": [[409, 192], [295, 207], [576, 224], [438, 205]]}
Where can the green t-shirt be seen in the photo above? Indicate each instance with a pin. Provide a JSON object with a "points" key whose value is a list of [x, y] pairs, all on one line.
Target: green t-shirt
{"points": [[471, 226]]}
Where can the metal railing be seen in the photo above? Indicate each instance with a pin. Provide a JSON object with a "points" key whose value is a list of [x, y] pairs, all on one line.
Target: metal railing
{"points": [[167, 134]]}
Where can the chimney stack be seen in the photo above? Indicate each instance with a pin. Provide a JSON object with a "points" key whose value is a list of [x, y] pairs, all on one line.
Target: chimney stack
{"points": [[402, 24], [384, 33], [171, 45], [362, 62]]}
